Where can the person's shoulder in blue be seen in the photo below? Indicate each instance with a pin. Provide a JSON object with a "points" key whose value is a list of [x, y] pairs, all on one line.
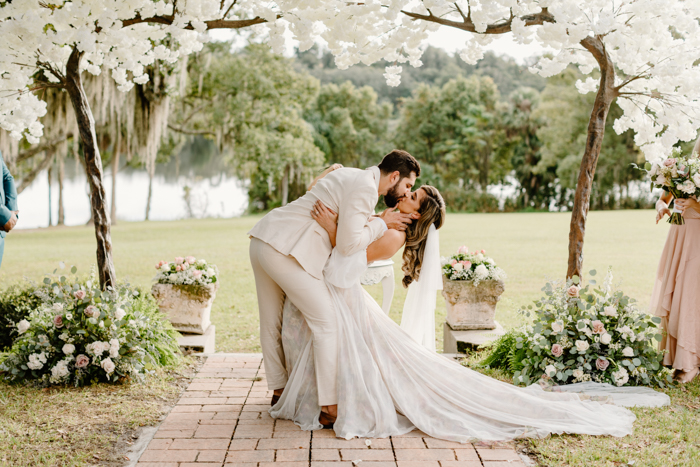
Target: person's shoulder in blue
{"points": [[8, 204]]}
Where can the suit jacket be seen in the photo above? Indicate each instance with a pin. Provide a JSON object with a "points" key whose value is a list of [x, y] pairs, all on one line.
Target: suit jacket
{"points": [[8, 195], [291, 230]]}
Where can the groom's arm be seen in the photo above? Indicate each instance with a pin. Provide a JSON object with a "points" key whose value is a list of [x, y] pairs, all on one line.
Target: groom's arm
{"points": [[354, 232]]}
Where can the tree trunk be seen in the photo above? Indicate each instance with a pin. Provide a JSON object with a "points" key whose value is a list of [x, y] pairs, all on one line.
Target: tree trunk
{"points": [[93, 168], [596, 130], [49, 176], [285, 187], [115, 169], [61, 176], [150, 193]]}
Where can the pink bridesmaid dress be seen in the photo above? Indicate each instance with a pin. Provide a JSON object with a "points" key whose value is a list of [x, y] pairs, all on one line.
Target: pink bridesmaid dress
{"points": [[676, 296]]}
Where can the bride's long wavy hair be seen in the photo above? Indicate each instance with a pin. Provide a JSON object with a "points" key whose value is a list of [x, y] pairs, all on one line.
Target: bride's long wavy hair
{"points": [[432, 211]]}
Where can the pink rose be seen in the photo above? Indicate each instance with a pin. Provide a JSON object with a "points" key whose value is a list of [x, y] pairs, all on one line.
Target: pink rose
{"points": [[572, 291], [91, 311], [602, 364], [81, 361], [483, 252], [197, 274], [463, 249], [191, 259], [670, 162], [466, 264], [454, 261], [58, 321], [179, 259], [79, 294], [557, 350], [598, 327], [178, 268]]}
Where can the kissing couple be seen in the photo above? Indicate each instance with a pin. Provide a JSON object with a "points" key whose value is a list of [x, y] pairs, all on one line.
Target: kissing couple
{"points": [[334, 359]]}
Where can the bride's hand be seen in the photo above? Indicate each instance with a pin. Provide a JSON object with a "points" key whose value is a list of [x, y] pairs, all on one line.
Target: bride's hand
{"points": [[661, 210], [689, 203], [327, 218]]}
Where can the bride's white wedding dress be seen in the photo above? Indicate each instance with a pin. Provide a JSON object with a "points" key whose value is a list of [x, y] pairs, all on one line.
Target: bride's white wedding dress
{"points": [[389, 384]]}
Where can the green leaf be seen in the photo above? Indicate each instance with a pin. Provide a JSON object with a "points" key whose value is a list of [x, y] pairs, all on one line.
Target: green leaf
{"points": [[47, 281], [73, 270], [592, 272], [575, 279], [637, 362]]}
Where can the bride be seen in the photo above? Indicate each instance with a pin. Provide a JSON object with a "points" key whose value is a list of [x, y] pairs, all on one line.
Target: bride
{"points": [[389, 384]]}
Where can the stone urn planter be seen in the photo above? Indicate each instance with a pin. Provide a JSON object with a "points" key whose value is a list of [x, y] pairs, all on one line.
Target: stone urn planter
{"points": [[470, 307], [187, 306]]}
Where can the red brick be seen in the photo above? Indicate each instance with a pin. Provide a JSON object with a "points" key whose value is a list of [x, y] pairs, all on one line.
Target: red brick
{"points": [[498, 455], [424, 455], [292, 434], [292, 455], [473, 463], [156, 444], [174, 433], [519, 463], [214, 431], [221, 408], [284, 443], [325, 455], [413, 434], [466, 455], [211, 456], [201, 464], [215, 421], [284, 464], [433, 443], [366, 454], [418, 464], [202, 401], [186, 409], [408, 443], [250, 456], [157, 464], [337, 443], [168, 456], [331, 464], [243, 444], [200, 444], [177, 417]]}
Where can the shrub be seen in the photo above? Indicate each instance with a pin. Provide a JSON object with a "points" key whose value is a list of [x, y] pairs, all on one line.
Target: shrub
{"points": [[80, 335], [15, 304], [505, 353]]}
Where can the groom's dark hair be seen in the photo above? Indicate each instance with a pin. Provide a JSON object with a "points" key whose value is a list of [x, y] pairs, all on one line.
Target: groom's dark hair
{"points": [[400, 160]]}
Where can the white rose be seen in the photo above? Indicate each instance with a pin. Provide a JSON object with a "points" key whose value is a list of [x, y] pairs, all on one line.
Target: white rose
{"points": [[102, 324], [557, 327], [480, 257], [210, 272], [481, 271], [22, 326], [68, 349], [550, 371], [610, 311], [628, 352], [57, 307], [577, 373], [119, 314], [661, 180], [69, 316], [605, 339], [458, 267], [108, 365], [114, 348], [60, 370], [582, 346], [696, 179]]}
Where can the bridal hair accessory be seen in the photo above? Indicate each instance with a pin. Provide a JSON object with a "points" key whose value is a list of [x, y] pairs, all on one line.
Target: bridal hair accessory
{"points": [[418, 319]]}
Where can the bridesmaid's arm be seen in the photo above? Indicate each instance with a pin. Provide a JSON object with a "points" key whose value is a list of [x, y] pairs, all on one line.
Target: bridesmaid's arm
{"points": [[386, 246], [662, 206]]}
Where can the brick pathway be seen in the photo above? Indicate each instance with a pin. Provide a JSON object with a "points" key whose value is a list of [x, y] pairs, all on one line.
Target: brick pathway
{"points": [[222, 421]]}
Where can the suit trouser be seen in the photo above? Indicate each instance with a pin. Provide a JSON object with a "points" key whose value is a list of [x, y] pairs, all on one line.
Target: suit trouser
{"points": [[2, 248], [277, 276]]}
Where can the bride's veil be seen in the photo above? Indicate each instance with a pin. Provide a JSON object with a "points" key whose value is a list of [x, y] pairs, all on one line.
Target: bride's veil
{"points": [[418, 318]]}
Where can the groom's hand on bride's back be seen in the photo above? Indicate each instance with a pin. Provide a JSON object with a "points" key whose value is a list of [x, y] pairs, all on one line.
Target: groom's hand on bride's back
{"points": [[397, 220]]}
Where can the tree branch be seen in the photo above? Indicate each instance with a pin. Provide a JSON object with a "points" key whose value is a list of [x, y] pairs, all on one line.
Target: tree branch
{"points": [[188, 131], [47, 146], [213, 24], [496, 28], [26, 181]]}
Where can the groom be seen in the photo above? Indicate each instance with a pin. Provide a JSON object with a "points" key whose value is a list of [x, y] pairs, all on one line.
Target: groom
{"points": [[289, 249]]}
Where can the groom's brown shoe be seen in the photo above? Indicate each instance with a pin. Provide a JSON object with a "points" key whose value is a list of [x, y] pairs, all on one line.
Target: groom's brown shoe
{"points": [[327, 420], [275, 399]]}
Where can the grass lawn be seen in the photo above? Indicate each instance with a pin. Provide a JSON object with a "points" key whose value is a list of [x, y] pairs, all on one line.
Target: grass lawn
{"points": [[531, 248], [44, 427]]}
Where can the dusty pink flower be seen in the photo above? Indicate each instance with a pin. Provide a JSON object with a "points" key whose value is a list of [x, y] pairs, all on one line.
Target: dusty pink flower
{"points": [[602, 364], [454, 261], [179, 259], [197, 274], [463, 249], [58, 321], [81, 361], [483, 252], [598, 327], [91, 311], [178, 268], [466, 264], [670, 162], [557, 350], [79, 294], [572, 291], [191, 259]]}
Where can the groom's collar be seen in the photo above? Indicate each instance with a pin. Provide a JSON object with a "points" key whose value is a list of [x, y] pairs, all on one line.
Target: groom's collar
{"points": [[376, 173]]}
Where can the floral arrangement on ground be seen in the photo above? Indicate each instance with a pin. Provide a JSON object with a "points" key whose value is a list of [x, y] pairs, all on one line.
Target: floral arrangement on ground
{"points": [[474, 267], [583, 334], [82, 335], [186, 270]]}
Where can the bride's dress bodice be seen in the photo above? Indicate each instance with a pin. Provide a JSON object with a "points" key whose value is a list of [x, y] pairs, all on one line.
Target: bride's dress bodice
{"points": [[389, 384]]}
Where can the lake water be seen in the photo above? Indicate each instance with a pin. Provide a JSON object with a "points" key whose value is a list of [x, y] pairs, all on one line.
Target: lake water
{"points": [[213, 191]]}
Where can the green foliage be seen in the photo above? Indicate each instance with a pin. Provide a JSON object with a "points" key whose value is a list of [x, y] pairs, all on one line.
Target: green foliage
{"points": [[507, 352], [82, 335], [16, 302]]}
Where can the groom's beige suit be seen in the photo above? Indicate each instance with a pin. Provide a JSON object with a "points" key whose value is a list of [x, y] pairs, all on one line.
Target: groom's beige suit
{"points": [[288, 251]]}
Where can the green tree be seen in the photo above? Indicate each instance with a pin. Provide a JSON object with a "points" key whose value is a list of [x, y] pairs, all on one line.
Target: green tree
{"points": [[252, 103], [350, 126]]}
